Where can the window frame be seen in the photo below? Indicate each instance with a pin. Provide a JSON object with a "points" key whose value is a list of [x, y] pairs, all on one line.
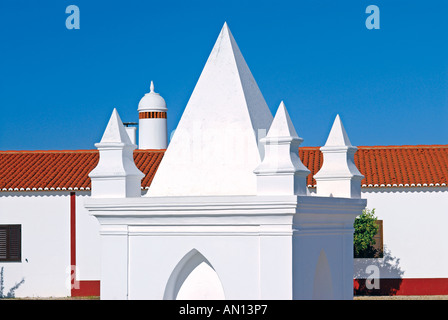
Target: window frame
{"points": [[8, 242], [379, 241]]}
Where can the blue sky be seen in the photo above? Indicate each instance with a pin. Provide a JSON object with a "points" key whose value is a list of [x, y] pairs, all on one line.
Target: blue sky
{"points": [[58, 86]]}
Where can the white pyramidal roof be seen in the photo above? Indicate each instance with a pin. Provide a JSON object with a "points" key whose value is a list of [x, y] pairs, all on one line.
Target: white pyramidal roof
{"points": [[214, 149], [338, 136]]}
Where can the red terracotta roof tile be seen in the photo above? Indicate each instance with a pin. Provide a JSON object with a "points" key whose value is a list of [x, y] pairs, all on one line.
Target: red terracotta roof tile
{"points": [[62, 170], [382, 166], [391, 166]]}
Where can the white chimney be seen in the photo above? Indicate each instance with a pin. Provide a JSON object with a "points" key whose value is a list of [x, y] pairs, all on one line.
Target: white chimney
{"points": [[152, 129], [132, 133]]}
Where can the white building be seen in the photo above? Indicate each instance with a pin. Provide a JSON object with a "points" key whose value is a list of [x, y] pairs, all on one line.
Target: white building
{"points": [[53, 243]]}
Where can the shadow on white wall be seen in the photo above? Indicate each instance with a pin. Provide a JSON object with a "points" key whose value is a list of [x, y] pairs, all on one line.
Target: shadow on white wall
{"points": [[386, 270], [323, 284]]}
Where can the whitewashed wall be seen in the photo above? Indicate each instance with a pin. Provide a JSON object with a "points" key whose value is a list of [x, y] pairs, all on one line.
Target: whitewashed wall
{"points": [[414, 232], [45, 220], [245, 257], [88, 245]]}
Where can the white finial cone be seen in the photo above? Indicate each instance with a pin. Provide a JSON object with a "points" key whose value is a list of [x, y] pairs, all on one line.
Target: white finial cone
{"points": [[338, 175], [338, 136], [282, 125], [115, 131], [151, 87], [281, 171]]}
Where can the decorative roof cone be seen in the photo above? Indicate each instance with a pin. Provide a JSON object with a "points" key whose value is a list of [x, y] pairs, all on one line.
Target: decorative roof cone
{"points": [[116, 175], [281, 171], [215, 146], [338, 176]]}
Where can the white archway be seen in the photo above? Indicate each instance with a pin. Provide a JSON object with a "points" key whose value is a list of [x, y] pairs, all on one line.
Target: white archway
{"points": [[323, 283], [194, 278]]}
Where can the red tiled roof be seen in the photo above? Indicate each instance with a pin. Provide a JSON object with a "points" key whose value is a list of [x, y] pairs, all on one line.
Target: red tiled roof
{"points": [[382, 166], [391, 166], [62, 170]]}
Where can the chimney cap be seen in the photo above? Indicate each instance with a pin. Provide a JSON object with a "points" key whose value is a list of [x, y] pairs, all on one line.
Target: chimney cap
{"points": [[152, 101]]}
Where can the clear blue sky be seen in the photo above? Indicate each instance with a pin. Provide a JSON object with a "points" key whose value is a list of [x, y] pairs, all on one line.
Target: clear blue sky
{"points": [[58, 86]]}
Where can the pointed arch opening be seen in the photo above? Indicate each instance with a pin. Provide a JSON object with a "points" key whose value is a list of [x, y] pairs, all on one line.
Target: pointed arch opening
{"points": [[194, 278], [323, 283]]}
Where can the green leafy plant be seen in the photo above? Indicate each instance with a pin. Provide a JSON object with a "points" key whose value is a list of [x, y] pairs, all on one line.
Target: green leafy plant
{"points": [[363, 238]]}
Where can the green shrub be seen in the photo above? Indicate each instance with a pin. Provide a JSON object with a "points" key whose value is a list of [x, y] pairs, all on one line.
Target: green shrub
{"points": [[363, 238]]}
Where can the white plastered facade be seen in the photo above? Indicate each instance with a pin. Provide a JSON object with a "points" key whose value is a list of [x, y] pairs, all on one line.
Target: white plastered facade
{"points": [[261, 247], [45, 263]]}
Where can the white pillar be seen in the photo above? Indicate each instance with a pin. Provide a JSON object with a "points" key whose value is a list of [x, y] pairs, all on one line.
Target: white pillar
{"points": [[338, 176], [116, 175], [281, 172], [323, 247]]}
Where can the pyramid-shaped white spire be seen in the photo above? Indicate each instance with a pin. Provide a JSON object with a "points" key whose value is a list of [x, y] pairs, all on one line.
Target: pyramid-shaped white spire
{"points": [[215, 146], [116, 175], [282, 171], [115, 130], [282, 125], [338, 176], [338, 136]]}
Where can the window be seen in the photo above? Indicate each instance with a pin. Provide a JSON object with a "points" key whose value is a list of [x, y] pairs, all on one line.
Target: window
{"points": [[10, 243], [378, 246]]}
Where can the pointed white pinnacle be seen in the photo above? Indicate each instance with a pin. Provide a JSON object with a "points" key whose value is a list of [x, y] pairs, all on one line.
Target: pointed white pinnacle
{"points": [[116, 175], [282, 125], [115, 130], [338, 176], [338, 136], [281, 171]]}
